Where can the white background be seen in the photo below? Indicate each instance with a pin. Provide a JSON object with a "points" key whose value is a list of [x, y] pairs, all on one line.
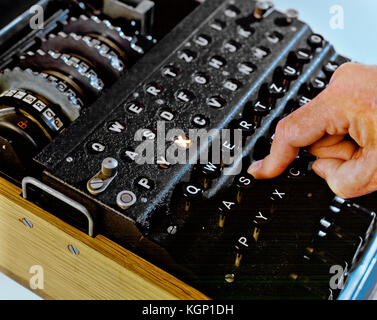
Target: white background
{"points": [[357, 41]]}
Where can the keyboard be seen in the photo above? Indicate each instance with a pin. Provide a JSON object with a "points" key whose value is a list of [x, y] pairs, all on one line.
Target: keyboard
{"points": [[153, 136]]}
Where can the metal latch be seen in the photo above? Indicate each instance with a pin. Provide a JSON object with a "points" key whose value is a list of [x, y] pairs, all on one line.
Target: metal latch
{"points": [[56, 194]]}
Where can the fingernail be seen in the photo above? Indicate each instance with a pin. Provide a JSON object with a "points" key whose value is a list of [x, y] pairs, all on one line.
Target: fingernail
{"points": [[254, 167]]}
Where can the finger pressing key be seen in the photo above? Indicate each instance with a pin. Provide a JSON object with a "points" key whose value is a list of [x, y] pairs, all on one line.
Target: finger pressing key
{"points": [[300, 129]]}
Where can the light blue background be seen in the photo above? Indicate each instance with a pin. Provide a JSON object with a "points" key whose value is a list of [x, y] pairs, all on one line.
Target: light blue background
{"points": [[357, 41]]}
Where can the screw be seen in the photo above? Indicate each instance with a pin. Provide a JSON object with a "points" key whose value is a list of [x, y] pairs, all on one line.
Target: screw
{"points": [[96, 184], [73, 250], [172, 230], [69, 159], [229, 277], [27, 223]]}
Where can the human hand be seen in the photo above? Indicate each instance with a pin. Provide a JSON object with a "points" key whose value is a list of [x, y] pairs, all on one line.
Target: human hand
{"points": [[347, 106]]}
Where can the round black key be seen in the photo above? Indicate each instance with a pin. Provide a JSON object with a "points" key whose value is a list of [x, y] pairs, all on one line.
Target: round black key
{"points": [[259, 220], [201, 78], [297, 169], [134, 107], [210, 170], [232, 85], [256, 108], [184, 96], [203, 40], [171, 72], [315, 41], [329, 68], [301, 57], [167, 114], [256, 112], [218, 25], [217, 62], [290, 73], [154, 89], [243, 183], [302, 100], [232, 11], [274, 37], [200, 121], [128, 154], [260, 109], [206, 173], [116, 127], [247, 127], [286, 75], [216, 102], [144, 184], [226, 207], [275, 91], [190, 192], [96, 147], [243, 243], [231, 46], [187, 56], [316, 86], [246, 68]]}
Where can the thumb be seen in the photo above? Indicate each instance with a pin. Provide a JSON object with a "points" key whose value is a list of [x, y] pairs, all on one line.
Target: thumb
{"points": [[347, 179]]}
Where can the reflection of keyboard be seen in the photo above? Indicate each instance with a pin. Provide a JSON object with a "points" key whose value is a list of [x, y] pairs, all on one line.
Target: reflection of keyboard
{"points": [[226, 66]]}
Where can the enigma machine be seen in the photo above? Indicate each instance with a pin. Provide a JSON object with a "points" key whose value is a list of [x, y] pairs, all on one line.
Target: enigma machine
{"points": [[101, 186]]}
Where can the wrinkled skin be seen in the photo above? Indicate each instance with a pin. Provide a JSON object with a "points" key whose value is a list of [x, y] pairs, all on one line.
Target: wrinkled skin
{"points": [[347, 106]]}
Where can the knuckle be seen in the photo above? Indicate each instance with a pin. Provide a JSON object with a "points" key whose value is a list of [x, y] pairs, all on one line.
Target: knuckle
{"points": [[281, 129], [339, 189], [372, 185], [350, 77], [347, 190]]}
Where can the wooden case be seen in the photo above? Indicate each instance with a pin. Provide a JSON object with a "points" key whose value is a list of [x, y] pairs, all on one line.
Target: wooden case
{"points": [[101, 269]]}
